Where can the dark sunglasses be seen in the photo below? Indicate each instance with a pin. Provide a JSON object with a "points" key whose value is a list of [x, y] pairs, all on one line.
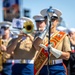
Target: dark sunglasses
{"points": [[53, 18], [39, 21], [45, 17], [5, 28]]}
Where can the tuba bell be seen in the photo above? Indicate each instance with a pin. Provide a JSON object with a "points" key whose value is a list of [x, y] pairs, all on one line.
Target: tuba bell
{"points": [[28, 27]]}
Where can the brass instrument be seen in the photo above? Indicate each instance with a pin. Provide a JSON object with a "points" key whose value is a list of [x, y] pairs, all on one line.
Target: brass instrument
{"points": [[1, 58], [28, 27]]}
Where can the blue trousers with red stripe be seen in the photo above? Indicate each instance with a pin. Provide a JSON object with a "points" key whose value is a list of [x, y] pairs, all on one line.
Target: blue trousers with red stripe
{"points": [[57, 69], [23, 69]]}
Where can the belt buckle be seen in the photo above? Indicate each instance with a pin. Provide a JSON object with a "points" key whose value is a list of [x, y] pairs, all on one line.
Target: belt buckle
{"points": [[23, 61], [50, 62]]}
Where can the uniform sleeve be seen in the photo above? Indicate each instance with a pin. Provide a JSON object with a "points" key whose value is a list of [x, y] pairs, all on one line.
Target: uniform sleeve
{"points": [[66, 44], [6, 55], [10, 42]]}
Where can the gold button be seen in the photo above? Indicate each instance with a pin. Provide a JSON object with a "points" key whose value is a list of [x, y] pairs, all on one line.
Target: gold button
{"points": [[23, 61]]}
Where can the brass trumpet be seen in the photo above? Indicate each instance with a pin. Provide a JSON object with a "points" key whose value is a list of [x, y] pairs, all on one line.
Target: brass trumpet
{"points": [[28, 27]]}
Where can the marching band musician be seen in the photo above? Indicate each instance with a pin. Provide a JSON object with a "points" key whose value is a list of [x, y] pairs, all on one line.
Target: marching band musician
{"points": [[24, 53], [40, 24], [62, 50], [5, 27], [70, 64], [24, 48]]}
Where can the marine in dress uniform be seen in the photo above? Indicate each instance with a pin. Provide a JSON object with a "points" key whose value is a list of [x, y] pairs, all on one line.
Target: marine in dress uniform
{"points": [[70, 64], [24, 53], [40, 24], [5, 27], [62, 51]]}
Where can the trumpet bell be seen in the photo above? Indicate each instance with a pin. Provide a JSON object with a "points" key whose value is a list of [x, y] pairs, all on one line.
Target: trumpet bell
{"points": [[28, 27]]}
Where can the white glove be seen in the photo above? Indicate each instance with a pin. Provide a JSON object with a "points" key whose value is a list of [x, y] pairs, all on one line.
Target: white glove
{"points": [[42, 35], [43, 46], [55, 52]]}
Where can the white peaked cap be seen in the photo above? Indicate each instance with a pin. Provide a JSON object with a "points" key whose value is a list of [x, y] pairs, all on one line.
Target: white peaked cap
{"points": [[26, 19], [38, 17], [71, 29], [61, 28], [5, 23], [57, 12]]}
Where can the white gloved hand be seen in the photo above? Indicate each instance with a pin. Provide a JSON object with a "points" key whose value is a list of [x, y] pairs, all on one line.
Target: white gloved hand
{"points": [[42, 35], [55, 52], [43, 46]]}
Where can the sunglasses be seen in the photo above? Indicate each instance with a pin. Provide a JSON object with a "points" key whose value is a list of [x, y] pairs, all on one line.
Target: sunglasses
{"points": [[5, 28], [45, 17], [53, 18], [39, 21]]}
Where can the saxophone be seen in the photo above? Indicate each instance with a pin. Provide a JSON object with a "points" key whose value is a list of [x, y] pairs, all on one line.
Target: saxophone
{"points": [[3, 55], [1, 58]]}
